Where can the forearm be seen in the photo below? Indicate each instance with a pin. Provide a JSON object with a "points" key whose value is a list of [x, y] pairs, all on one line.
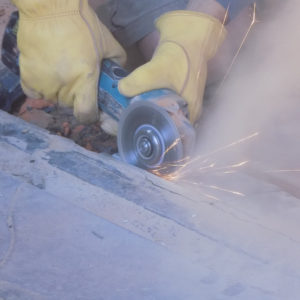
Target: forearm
{"points": [[96, 3], [220, 9], [210, 7]]}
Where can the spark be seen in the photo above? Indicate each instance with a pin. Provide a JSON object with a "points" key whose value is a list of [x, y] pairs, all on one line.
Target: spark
{"points": [[211, 166], [204, 194], [180, 166], [226, 190], [253, 21], [214, 187], [173, 176], [237, 165], [174, 144], [226, 15], [251, 136], [210, 196], [229, 172], [243, 163], [242, 140], [283, 171], [159, 171], [223, 25], [191, 182]]}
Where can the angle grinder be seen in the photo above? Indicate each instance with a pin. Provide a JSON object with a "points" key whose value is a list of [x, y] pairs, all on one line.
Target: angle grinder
{"points": [[153, 128]]}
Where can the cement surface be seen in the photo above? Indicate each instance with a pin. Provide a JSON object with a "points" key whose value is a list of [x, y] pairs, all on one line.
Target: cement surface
{"points": [[79, 225]]}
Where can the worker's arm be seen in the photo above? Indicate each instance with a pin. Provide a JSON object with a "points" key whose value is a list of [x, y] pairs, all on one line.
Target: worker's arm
{"points": [[220, 8], [186, 40], [210, 7], [234, 7], [61, 47]]}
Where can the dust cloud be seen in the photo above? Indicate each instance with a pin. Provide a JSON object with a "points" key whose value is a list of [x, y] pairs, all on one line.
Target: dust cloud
{"points": [[260, 99], [248, 137]]}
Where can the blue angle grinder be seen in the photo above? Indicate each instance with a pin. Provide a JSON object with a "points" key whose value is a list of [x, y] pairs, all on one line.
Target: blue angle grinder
{"points": [[153, 128]]}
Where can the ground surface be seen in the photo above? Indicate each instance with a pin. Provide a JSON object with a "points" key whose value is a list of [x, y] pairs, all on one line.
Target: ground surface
{"points": [[80, 225], [60, 121], [75, 224]]}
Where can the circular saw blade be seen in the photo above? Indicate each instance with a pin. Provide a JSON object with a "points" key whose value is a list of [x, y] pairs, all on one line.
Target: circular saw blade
{"points": [[148, 138]]}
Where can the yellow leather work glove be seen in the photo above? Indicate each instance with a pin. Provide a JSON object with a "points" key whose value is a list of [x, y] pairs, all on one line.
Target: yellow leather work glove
{"points": [[62, 43], [188, 40]]}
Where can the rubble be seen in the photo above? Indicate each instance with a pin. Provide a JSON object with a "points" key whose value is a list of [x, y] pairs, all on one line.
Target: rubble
{"points": [[60, 121]]}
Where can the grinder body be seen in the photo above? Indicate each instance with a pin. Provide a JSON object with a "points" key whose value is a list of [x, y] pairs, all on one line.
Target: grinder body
{"points": [[153, 131]]}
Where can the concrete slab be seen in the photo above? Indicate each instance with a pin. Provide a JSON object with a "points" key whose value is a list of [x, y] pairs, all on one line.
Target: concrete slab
{"points": [[55, 250], [76, 225], [43, 236], [79, 225]]}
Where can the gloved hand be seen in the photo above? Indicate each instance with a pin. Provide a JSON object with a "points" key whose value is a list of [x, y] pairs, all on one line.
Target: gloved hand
{"points": [[62, 43], [188, 40]]}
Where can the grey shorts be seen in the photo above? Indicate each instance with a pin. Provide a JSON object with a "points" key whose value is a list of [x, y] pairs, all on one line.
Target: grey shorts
{"points": [[131, 20]]}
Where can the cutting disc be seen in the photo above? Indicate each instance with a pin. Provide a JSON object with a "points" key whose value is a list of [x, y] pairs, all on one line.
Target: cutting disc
{"points": [[148, 138]]}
